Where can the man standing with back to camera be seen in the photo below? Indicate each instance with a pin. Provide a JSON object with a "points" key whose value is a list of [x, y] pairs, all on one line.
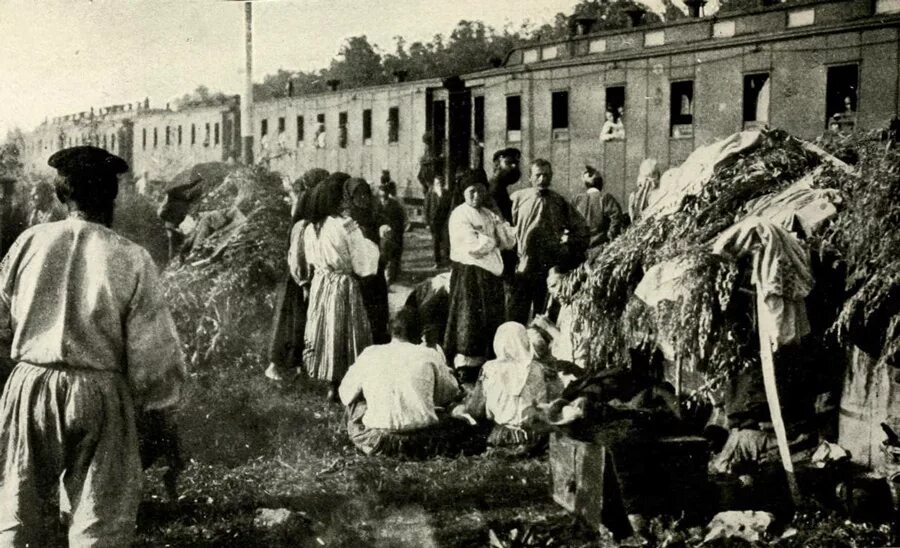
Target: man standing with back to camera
{"points": [[83, 314]]}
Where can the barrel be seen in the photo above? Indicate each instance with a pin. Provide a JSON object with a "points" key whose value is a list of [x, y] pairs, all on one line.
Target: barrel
{"points": [[870, 397]]}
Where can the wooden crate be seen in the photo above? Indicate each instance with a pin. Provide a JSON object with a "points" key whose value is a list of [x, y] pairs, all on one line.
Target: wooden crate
{"points": [[585, 483]]}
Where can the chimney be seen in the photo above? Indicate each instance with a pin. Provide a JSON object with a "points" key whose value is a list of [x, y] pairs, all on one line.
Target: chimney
{"points": [[333, 84], [694, 7], [290, 88], [146, 103], [636, 15], [495, 61], [584, 25], [400, 76]]}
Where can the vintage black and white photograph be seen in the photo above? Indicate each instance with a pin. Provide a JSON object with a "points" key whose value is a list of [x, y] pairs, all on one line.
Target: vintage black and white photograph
{"points": [[427, 274]]}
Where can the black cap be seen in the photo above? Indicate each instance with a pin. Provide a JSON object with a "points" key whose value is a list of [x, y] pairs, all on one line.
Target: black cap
{"points": [[86, 159]]}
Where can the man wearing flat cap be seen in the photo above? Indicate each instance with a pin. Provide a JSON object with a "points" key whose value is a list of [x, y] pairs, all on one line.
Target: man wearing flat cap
{"points": [[83, 315]]}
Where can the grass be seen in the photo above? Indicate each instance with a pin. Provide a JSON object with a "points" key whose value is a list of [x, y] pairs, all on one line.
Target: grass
{"points": [[253, 445]]}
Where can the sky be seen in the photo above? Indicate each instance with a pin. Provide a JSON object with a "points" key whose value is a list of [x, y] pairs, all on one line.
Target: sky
{"points": [[61, 57]]}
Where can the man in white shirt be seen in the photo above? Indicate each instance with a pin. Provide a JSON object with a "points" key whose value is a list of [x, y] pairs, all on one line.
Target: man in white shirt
{"points": [[83, 314], [393, 391]]}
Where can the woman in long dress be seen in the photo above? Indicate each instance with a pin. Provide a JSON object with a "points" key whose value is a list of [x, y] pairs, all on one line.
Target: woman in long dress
{"points": [[477, 235], [359, 205], [337, 327], [291, 302]]}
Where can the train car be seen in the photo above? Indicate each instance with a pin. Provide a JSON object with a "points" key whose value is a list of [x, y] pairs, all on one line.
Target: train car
{"points": [[109, 128], [169, 141], [674, 87]]}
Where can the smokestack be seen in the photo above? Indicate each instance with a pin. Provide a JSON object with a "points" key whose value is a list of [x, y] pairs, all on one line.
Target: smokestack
{"points": [[247, 102], [290, 88]]}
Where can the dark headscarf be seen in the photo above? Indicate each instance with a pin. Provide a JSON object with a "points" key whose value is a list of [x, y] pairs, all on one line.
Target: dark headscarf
{"points": [[327, 198], [363, 214], [307, 183]]}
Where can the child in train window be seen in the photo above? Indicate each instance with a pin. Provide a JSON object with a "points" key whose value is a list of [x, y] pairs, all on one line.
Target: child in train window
{"points": [[612, 128]]}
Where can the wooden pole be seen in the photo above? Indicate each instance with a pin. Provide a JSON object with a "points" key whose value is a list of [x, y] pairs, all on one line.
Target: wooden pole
{"points": [[768, 371]]}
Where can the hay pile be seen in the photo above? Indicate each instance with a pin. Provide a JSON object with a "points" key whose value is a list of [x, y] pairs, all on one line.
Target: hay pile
{"points": [[222, 293], [708, 323]]}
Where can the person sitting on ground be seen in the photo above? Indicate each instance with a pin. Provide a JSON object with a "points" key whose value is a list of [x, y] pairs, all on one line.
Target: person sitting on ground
{"points": [[393, 392], [508, 391]]}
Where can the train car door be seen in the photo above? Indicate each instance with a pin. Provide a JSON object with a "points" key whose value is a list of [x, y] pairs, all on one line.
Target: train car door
{"points": [[459, 128]]}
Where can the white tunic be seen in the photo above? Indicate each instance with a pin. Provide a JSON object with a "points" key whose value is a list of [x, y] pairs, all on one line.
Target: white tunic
{"points": [[401, 383]]}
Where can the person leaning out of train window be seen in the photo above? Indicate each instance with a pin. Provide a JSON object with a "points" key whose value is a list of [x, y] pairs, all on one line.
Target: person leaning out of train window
{"points": [[600, 210], [612, 128]]}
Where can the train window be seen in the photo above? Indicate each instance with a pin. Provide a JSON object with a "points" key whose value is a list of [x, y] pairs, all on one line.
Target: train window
{"points": [[478, 117], [264, 128], [112, 142], [281, 124], [342, 129], [104, 140], [559, 110], [301, 130], [179, 135], [193, 134], [681, 112], [216, 133], [367, 126], [756, 100], [320, 130], [615, 102], [144, 138], [513, 118], [168, 136], [206, 138], [841, 96], [393, 124], [155, 137]]}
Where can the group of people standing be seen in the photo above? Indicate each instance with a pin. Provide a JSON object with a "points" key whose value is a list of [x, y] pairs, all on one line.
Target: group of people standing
{"points": [[333, 316], [345, 248]]}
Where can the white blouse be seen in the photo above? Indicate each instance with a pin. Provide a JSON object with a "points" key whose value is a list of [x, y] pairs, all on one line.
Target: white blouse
{"points": [[477, 236], [340, 247]]}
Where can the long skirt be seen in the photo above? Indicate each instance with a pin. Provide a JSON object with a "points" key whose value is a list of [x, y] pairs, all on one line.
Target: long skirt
{"points": [[337, 327], [476, 311], [374, 291], [74, 425], [286, 344]]}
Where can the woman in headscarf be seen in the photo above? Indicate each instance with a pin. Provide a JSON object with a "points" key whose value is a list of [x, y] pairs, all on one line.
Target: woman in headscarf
{"points": [[508, 390], [647, 181], [337, 327], [359, 206], [291, 298], [477, 235]]}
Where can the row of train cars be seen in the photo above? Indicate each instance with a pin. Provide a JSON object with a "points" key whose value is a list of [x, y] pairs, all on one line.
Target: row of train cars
{"points": [[667, 88]]}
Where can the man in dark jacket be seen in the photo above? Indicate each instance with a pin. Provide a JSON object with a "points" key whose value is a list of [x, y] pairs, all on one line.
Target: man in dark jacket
{"points": [[506, 174], [395, 217], [437, 212], [13, 219]]}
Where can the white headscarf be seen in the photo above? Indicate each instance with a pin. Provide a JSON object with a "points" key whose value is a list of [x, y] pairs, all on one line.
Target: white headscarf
{"points": [[513, 350]]}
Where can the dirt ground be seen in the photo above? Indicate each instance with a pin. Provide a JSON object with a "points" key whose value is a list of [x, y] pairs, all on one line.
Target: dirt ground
{"points": [[253, 445]]}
